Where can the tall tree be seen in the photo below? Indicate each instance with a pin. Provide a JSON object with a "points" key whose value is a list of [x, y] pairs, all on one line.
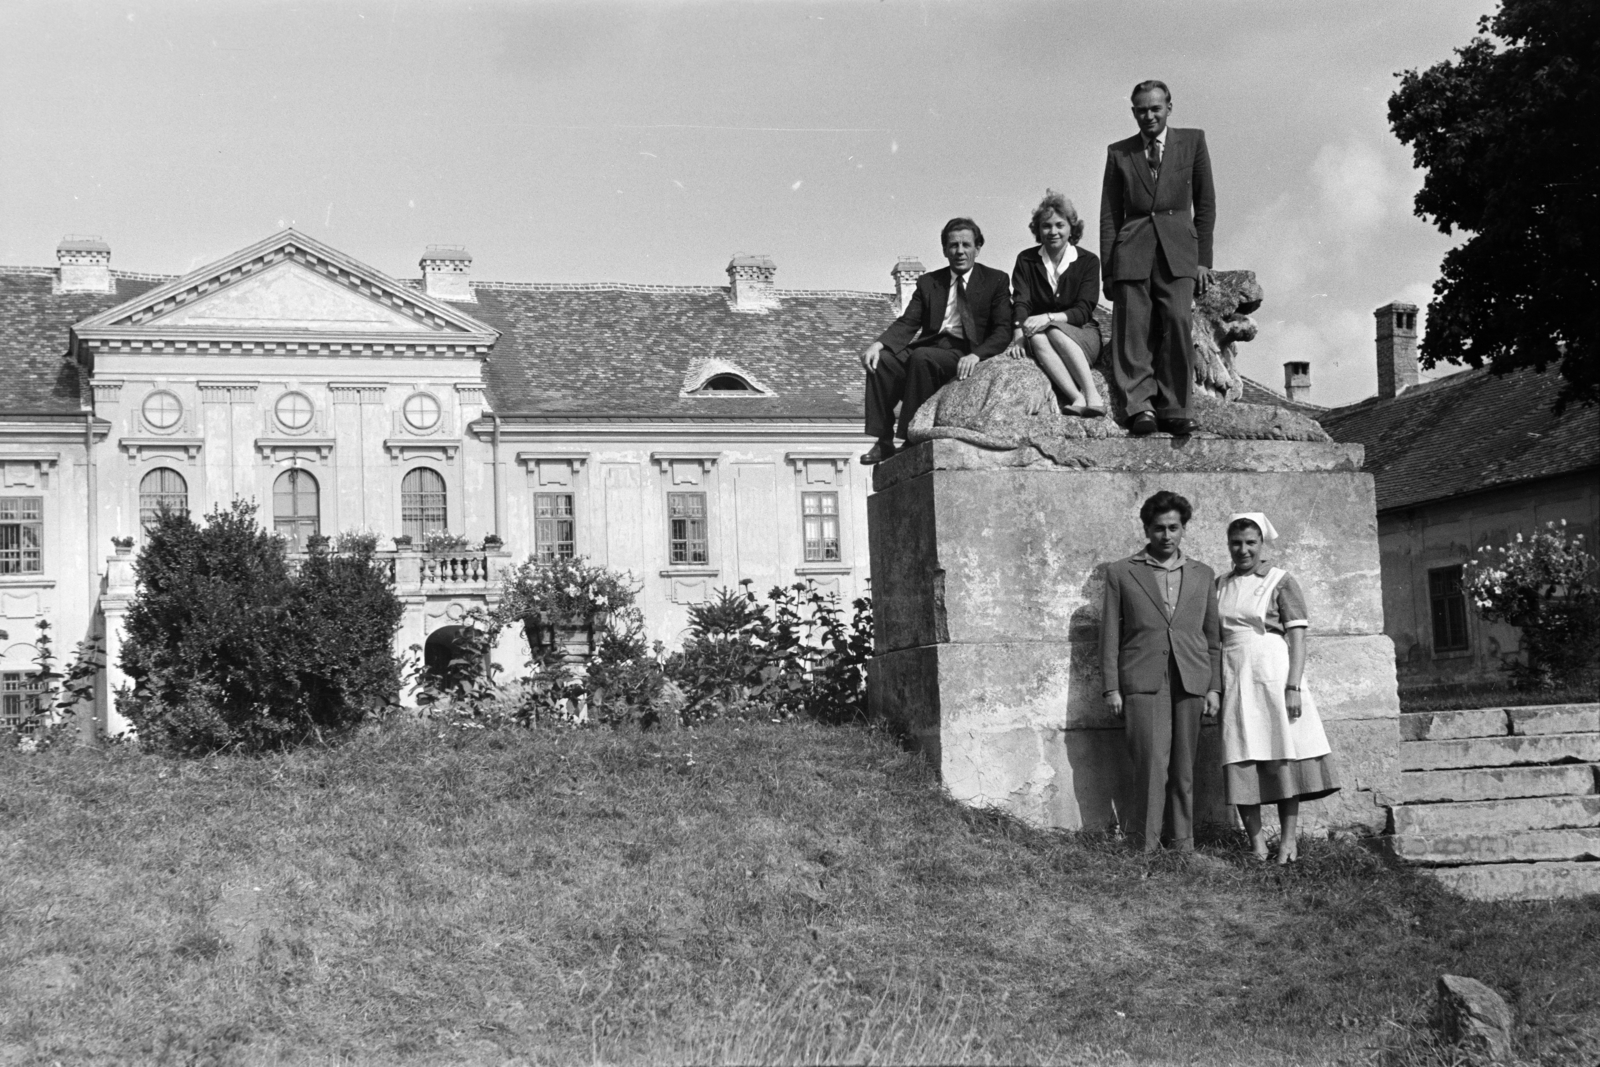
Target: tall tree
{"points": [[1506, 133]]}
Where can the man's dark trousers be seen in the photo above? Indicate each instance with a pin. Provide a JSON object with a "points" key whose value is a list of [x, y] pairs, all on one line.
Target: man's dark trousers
{"points": [[919, 372], [1150, 325], [1163, 731]]}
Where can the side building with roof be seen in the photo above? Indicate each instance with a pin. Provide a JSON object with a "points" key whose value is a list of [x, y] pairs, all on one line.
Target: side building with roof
{"points": [[693, 436], [1460, 463]]}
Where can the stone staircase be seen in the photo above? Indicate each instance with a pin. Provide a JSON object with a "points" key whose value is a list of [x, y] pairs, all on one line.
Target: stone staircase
{"points": [[1502, 803]]}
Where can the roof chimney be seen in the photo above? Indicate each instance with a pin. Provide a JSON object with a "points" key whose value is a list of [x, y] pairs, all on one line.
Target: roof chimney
{"points": [[85, 264], [1397, 348], [1296, 381], [446, 270], [905, 275], [750, 281]]}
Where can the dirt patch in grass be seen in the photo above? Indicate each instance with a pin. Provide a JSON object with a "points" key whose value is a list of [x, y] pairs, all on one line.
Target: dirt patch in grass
{"points": [[725, 895]]}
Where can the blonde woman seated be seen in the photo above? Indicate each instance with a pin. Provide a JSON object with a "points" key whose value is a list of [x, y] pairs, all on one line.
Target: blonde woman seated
{"points": [[1055, 288], [1273, 745]]}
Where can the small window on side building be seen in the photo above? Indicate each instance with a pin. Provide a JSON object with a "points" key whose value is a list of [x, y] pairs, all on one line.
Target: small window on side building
{"points": [[819, 521], [21, 534], [686, 528], [553, 530], [1449, 608]]}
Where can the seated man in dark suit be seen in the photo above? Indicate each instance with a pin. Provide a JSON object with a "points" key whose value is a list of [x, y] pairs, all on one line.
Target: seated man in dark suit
{"points": [[958, 315], [1161, 654]]}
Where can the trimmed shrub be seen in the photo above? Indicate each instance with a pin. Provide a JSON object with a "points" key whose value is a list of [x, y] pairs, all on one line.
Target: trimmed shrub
{"points": [[227, 648]]}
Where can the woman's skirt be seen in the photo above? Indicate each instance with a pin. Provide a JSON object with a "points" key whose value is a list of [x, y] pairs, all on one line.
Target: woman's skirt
{"points": [[1272, 781], [1086, 337]]}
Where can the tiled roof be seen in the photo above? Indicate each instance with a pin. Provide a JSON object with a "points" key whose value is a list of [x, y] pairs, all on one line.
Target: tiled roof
{"points": [[1468, 432], [1256, 393], [35, 375], [624, 352]]}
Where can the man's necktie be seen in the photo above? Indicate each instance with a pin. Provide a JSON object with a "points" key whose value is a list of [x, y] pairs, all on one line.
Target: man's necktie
{"points": [[1152, 152], [969, 325]]}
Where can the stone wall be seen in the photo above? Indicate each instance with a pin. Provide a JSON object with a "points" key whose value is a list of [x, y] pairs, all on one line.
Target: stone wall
{"points": [[987, 575]]}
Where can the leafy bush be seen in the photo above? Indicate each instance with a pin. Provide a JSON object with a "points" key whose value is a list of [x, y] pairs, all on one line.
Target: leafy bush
{"points": [[796, 655], [566, 588], [228, 648], [50, 713], [1544, 586]]}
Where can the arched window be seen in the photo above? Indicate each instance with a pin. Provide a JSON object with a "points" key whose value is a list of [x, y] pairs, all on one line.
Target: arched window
{"points": [[162, 488], [422, 503], [295, 512], [727, 383]]}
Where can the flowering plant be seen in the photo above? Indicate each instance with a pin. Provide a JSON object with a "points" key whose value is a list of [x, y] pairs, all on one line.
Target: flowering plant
{"points": [[567, 587], [1544, 585], [442, 541]]}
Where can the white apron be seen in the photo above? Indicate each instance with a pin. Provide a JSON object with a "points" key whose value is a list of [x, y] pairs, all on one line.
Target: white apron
{"points": [[1255, 668]]}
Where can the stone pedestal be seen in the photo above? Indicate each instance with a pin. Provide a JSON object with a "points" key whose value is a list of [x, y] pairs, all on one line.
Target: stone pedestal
{"points": [[987, 570]]}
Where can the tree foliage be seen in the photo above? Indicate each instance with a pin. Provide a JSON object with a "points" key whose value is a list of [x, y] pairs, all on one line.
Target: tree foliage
{"points": [[228, 648], [1503, 135]]}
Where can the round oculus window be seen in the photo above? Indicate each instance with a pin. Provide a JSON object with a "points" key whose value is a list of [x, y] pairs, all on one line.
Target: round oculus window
{"points": [[162, 410], [422, 411], [294, 411]]}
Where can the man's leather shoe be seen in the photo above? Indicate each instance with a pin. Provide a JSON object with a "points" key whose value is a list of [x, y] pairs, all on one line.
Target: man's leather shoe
{"points": [[878, 453], [1176, 427], [1141, 424]]}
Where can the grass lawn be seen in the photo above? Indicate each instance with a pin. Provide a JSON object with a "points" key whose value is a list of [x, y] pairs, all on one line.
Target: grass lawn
{"points": [[1465, 697], [729, 895]]}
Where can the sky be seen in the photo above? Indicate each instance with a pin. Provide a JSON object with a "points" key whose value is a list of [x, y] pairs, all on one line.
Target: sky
{"points": [[649, 142]]}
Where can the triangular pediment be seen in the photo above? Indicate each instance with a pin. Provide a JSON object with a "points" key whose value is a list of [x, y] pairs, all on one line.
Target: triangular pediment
{"points": [[287, 296], [288, 287]]}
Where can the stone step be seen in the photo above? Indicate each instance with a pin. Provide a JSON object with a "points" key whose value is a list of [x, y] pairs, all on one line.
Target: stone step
{"points": [[1520, 881], [1555, 719], [1497, 783], [1449, 725], [1499, 751], [1517, 846], [1497, 816]]}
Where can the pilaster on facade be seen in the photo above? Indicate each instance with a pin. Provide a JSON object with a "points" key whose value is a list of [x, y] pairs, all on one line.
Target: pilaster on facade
{"points": [[358, 392], [106, 392], [227, 392]]}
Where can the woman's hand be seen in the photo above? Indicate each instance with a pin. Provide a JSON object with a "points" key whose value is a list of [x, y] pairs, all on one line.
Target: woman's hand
{"points": [[1035, 323], [1291, 700]]}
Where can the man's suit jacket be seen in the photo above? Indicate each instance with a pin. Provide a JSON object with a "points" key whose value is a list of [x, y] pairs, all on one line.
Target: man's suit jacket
{"points": [[988, 296], [1136, 633], [1178, 213], [1076, 293]]}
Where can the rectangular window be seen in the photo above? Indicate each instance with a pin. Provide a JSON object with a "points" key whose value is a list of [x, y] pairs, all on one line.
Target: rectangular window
{"points": [[686, 528], [819, 521], [552, 526], [18, 690], [21, 534], [1449, 609]]}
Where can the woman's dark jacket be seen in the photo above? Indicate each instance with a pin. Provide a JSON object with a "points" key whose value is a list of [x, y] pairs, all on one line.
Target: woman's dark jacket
{"points": [[1077, 294]]}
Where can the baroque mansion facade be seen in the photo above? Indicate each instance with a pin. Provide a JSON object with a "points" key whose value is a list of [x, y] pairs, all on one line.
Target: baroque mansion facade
{"points": [[694, 436]]}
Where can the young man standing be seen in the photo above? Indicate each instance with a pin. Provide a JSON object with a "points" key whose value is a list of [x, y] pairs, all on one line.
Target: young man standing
{"points": [[958, 315], [1161, 653]]}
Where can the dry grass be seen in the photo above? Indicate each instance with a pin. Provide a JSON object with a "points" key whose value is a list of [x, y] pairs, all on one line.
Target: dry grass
{"points": [[733, 895]]}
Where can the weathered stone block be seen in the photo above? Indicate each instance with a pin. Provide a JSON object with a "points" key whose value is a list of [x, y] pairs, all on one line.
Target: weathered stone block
{"points": [[1447, 725], [987, 578], [1496, 783], [1520, 881], [1498, 816], [1499, 751], [1555, 719], [1516, 846]]}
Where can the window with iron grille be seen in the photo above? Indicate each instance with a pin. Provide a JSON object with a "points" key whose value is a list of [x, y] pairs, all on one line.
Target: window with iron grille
{"points": [[162, 488], [686, 528], [1449, 609], [296, 513], [819, 521], [553, 531], [21, 534], [18, 692], [422, 503]]}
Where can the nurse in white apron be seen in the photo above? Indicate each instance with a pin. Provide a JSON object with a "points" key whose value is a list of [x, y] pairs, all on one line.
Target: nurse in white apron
{"points": [[1273, 745]]}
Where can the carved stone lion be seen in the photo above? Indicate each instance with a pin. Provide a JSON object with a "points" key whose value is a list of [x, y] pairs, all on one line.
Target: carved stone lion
{"points": [[1009, 403]]}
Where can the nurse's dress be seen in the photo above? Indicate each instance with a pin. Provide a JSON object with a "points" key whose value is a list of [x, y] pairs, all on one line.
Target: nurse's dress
{"points": [[1268, 758]]}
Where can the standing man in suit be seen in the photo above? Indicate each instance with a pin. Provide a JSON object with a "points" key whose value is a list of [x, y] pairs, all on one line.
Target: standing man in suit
{"points": [[1161, 654], [958, 315], [1158, 212]]}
